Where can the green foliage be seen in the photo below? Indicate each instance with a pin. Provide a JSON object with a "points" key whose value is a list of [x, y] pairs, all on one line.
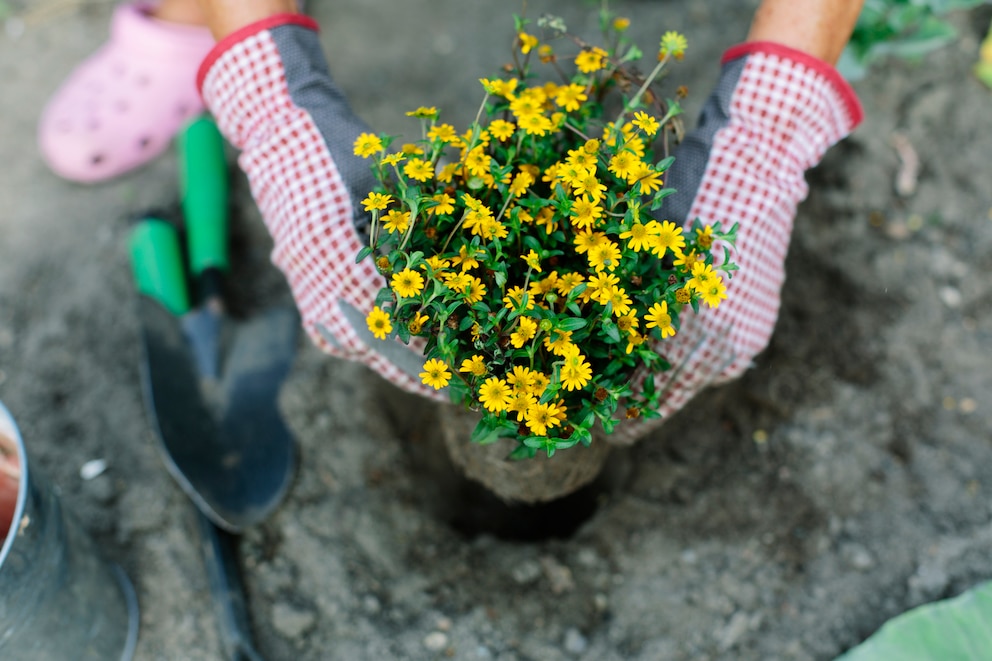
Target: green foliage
{"points": [[899, 28], [522, 250]]}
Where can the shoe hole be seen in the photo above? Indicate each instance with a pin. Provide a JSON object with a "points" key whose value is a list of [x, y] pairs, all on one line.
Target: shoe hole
{"points": [[96, 159], [144, 142], [182, 110]]}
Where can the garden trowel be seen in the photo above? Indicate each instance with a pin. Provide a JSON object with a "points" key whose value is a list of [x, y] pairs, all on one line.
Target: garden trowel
{"points": [[211, 382]]}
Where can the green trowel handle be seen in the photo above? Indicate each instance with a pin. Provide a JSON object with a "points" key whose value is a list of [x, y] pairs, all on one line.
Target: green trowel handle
{"points": [[157, 262], [204, 189]]}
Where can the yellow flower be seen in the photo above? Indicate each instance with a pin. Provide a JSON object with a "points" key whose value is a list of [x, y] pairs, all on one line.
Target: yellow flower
{"points": [[527, 42], [704, 237], [497, 87], [546, 53], [562, 341], [665, 236], [633, 340], [397, 221], [407, 283], [535, 124], [435, 374], [419, 169], [618, 297], [590, 186], [587, 240], [533, 261], [393, 158], [466, 257], [476, 366], [520, 401], [540, 417], [570, 97], [437, 263], [604, 256], [658, 317], [568, 282], [448, 172], [526, 330], [622, 164], [599, 284], [628, 322], [377, 201], [541, 382], [443, 204], [378, 322], [367, 144], [702, 274], [714, 292], [620, 24], [417, 323], [474, 290], [582, 158], [424, 112], [495, 395], [646, 123], [585, 213], [501, 129], [478, 161], [674, 44], [575, 372], [546, 219], [443, 132], [637, 237], [521, 379], [521, 183], [411, 149], [590, 60], [649, 179], [514, 297]]}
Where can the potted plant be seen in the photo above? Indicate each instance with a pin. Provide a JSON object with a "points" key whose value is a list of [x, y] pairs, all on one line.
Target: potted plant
{"points": [[522, 255]]}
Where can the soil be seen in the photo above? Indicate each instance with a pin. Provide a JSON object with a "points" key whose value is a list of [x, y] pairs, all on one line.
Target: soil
{"points": [[841, 481]]}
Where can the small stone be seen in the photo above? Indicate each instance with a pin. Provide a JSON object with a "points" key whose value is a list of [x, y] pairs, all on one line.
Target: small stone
{"points": [[526, 572], [371, 605], [601, 602], [444, 624], [858, 557], [689, 557], [93, 469], [736, 627], [950, 296], [436, 641], [557, 574], [291, 622], [575, 642]]}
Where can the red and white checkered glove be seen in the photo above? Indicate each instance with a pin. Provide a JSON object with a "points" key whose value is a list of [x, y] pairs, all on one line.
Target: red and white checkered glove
{"points": [[773, 115]]}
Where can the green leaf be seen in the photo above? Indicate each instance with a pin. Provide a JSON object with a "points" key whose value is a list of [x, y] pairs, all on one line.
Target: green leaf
{"points": [[959, 628], [490, 429], [363, 253], [571, 324]]}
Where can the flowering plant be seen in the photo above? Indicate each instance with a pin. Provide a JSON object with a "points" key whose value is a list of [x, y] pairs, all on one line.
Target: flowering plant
{"points": [[522, 252]]}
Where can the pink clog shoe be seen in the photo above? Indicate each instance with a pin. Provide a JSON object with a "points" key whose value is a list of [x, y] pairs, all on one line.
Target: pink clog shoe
{"points": [[123, 105]]}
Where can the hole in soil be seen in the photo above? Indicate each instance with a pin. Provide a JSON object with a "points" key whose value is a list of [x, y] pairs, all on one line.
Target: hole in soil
{"points": [[472, 510]]}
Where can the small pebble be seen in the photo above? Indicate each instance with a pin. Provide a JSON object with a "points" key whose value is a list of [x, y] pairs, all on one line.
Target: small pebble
{"points": [[371, 605], [92, 469], [436, 641], [444, 624], [575, 642], [290, 621], [526, 572]]}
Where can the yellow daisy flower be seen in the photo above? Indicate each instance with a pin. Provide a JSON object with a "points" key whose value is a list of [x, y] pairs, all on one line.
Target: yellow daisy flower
{"points": [[407, 283], [495, 395], [435, 374], [378, 322], [367, 144]]}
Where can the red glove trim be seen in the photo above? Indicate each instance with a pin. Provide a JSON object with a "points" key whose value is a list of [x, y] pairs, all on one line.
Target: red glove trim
{"points": [[851, 102], [243, 33]]}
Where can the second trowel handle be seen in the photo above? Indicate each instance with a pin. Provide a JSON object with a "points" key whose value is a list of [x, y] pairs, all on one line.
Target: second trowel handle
{"points": [[204, 187]]}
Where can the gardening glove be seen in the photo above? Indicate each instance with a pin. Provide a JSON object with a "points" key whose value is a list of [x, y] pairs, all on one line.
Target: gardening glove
{"points": [[270, 91], [774, 113]]}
